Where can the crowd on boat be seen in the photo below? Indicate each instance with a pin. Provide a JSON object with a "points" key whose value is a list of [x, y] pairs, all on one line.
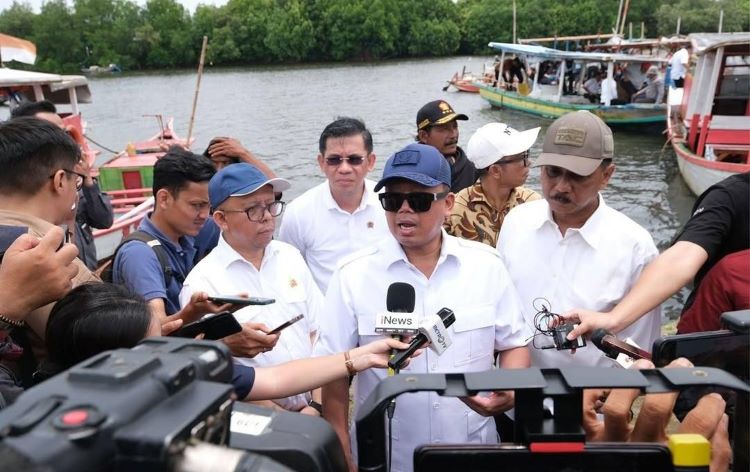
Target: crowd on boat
{"points": [[458, 225]]}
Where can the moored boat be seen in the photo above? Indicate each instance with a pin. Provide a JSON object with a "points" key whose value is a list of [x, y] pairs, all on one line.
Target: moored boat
{"points": [[709, 119], [464, 82], [549, 100]]}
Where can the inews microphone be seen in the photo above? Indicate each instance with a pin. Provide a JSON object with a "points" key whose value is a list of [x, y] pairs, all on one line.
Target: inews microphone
{"points": [[613, 347], [399, 319], [434, 331]]}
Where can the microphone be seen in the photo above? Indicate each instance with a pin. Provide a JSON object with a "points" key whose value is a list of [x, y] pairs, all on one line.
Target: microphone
{"points": [[434, 331], [399, 318], [613, 347]]}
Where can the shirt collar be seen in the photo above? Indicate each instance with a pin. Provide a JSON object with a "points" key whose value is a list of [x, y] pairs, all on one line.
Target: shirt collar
{"points": [[187, 243], [227, 255], [393, 252], [363, 203], [591, 231]]}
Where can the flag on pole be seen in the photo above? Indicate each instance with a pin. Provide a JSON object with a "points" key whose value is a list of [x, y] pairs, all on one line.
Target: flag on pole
{"points": [[15, 49]]}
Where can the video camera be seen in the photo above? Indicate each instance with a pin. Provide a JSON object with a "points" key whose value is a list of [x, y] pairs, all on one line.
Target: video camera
{"points": [[545, 444], [164, 405]]}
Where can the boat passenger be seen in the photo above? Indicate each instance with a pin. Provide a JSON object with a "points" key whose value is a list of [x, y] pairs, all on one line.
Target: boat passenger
{"points": [[502, 156], [445, 271], [571, 248], [39, 186], [678, 67], [653, 91], [342, 214], [593, 87], [248, 259], [94, 209], [437, 125]]}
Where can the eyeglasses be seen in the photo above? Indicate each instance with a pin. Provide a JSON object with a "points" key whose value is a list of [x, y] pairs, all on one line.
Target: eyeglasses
{"points": [[335, 161], [524, 156], [79, 177], [419, 202], [256, 212]]}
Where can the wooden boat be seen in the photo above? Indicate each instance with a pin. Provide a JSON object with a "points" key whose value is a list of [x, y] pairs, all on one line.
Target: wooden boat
{"points": [[709, 119], [548, 100], [464, 82], [128, 178]]}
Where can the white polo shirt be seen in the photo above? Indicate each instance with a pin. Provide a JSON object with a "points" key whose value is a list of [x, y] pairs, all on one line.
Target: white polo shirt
{"points": [[324, 233], [678, 64], [284, 277], [592, 267], [471, 280]]}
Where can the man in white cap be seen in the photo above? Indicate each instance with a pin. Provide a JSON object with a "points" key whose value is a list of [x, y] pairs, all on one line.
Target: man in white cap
{"points": [[501, 155], [653, 91], [247, 259], [571, 249]]}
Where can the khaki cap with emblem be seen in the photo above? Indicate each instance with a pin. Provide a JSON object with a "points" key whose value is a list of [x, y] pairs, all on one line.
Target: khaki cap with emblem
{"points": [[578, 142], [437, 112]]}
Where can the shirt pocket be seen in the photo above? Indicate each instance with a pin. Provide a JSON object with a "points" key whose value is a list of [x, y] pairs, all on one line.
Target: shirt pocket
{"points": [[474, 335], [366, 329]]}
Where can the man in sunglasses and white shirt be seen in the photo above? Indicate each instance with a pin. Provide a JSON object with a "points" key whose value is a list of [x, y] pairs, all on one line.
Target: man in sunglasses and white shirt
{"points": [[342, 214], [465, 276], [501, 156]]}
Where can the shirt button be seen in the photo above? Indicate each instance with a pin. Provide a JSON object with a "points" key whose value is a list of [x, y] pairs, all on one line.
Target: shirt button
{"points": [[436, 405], [437, 441], [433, 367]]}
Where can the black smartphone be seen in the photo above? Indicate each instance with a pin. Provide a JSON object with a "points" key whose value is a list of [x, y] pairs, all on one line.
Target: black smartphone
{"points": [[286, 324], [213, 327], [244, 301], [724, 349], [8, 234]]}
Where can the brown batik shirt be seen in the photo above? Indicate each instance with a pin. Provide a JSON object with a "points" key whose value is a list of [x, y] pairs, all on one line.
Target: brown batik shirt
{"points": [[474, 217]]}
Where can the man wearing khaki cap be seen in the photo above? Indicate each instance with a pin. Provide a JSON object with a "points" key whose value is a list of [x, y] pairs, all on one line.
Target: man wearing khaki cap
{"points": [[437, 126], [501, 155], [571, 249]]}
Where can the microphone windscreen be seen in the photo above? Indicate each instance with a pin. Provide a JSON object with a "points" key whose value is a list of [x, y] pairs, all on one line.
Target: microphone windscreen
{"points": [[597, 336], [400, 298]]}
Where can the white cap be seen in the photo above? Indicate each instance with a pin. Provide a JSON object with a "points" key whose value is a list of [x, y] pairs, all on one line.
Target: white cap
{"points": [[493, 141]]}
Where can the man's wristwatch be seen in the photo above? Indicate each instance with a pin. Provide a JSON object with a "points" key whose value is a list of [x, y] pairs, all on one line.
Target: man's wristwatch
{"points": [[316, 406]]}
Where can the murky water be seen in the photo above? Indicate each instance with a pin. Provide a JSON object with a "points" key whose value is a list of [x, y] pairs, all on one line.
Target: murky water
{"points": [[279, 112]]}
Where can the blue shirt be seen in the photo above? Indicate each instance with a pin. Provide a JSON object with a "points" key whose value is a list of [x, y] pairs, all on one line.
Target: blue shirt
{"points": [[137, 266], [207, 239]]}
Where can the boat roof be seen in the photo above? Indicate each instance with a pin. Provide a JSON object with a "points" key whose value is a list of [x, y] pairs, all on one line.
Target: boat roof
{"points": [[548, 53], [703, 42], [54, 86]]}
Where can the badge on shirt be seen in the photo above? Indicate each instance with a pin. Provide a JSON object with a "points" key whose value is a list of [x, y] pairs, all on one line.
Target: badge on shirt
{"points": [[370, 225], [292, 282]]}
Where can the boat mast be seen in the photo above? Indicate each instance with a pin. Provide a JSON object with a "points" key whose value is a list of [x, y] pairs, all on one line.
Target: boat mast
{"points": [[197, 88]]}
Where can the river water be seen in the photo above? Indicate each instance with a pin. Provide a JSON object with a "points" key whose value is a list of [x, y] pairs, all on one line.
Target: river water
{"points": [[278, 113]]}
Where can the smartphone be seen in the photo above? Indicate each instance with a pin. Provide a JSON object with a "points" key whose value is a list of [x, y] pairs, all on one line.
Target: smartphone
{"points": [[213, 327], [8, 234], [244, 301], [286, 324], [727, 350]]}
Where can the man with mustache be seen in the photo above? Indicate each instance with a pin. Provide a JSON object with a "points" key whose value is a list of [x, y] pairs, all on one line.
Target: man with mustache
{"points": [[437, 126], [571, 249]]}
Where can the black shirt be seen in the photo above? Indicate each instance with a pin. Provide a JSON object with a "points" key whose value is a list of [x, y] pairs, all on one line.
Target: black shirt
{"points": [[463, 172], [720, 222]]}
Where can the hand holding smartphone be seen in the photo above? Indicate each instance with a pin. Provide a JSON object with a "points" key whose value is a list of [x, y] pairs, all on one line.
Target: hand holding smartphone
{"points": [[213, 327]]}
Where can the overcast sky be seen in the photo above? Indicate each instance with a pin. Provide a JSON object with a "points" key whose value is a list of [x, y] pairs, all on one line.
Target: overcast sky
{"points": [[189, 4]]}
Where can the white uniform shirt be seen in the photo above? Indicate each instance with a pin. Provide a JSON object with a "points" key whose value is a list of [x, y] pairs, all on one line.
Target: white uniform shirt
{"points": [[471, 280], [592, 267], [678, 64], [609, 91], [284, 277], [324, 233]]}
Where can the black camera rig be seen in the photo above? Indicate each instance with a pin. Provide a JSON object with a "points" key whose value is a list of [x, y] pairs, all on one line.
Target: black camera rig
{"points": [[546, 444]]}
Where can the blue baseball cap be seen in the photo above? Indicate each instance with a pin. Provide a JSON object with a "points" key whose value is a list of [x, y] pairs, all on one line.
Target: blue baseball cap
{"points": [[238, 180], [419, 163]]}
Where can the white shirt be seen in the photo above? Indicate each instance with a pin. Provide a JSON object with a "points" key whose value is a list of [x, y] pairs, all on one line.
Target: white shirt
{"points": [[609, 91], [324, 233], [592, 86], [592, 267], [284, 277], [678, 64], [471, 280]]}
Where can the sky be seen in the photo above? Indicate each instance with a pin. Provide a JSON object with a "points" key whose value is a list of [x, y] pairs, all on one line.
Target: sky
{"points": [[189, 4]]}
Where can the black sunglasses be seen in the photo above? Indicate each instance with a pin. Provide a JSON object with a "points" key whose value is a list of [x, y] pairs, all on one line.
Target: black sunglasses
{"points": [[524, 156], [419, 202], [335, 161]]}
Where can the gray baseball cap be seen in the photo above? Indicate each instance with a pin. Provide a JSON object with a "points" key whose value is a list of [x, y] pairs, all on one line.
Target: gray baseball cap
{"points": [[578, 142]]}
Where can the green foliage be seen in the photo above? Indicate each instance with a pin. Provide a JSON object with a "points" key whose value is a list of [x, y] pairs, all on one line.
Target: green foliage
{"points": [[162, 34]]}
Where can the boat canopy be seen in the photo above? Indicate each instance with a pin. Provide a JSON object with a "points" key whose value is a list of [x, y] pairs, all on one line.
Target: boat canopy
{"points": [[703, 42], [59, 89], [555, 54]]}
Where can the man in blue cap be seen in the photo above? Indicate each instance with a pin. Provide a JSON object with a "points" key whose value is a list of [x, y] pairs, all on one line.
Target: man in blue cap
{"points": [[465, 276], [247, 259]]}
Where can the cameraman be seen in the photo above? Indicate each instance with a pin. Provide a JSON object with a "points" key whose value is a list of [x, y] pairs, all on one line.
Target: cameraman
{"points": [[33, 273]]}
